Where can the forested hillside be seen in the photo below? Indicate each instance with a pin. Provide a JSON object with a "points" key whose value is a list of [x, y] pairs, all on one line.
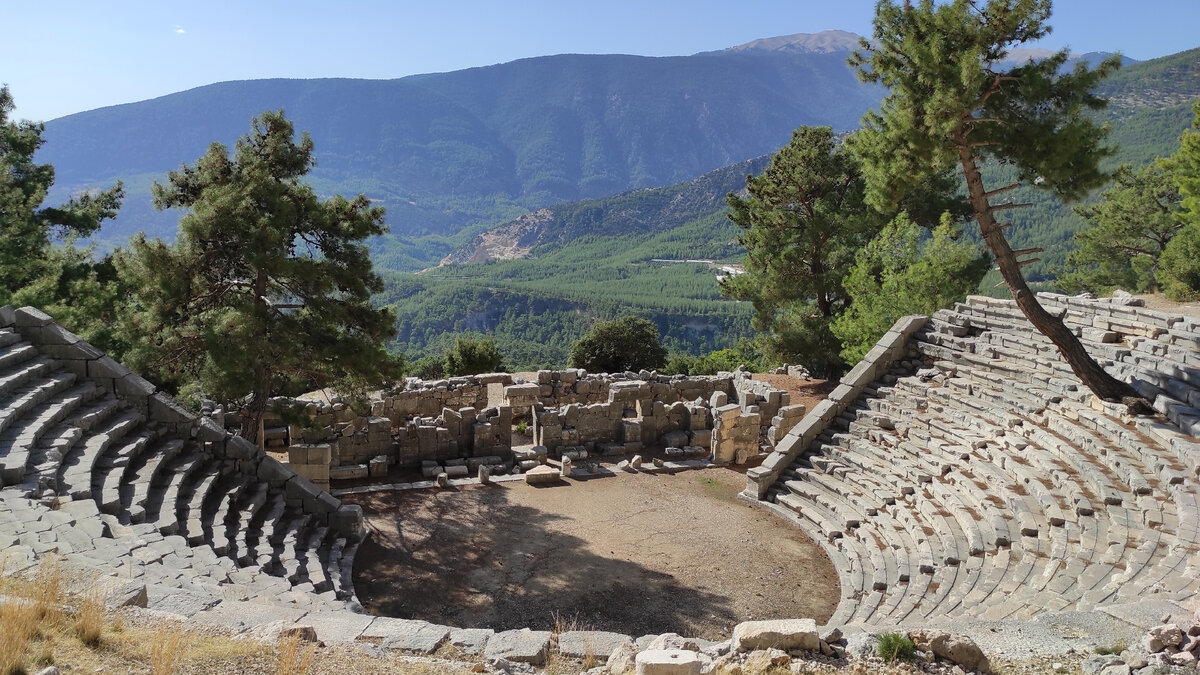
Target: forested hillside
{"points": [[476, 147], [536, 307]]}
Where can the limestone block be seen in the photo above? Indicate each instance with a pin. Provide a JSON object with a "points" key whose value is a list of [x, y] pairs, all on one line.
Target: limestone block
{"points": [[407, 635], [471, 640], [782, 634], [272, 470], [631, 431], [542, 475], [30, 316], [579, 644], [348, 471], [319, 453], [520, 646], [958, 649], [378, 466], [702, 438], [317, 473], [671, 662], [675, 439]]}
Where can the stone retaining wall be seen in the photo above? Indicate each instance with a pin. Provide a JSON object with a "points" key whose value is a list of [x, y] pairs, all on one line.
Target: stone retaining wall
{"points": [[891, 347]]}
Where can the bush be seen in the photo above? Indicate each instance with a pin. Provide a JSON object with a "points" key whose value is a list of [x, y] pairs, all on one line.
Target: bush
{"points": [[895, 647], [630, 343], [429, 367], [471, 356], [1179, 267]]}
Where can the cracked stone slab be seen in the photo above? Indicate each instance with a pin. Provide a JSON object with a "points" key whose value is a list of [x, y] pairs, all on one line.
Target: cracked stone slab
{"points": [[407, 635], [578, 644], [178, 601], [244, 616], [471, 640], [334, 627], [522, 646]]}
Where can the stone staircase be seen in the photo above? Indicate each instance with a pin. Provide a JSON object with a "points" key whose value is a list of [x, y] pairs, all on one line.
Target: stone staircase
{"points": [[99, 469], [976, 477]]}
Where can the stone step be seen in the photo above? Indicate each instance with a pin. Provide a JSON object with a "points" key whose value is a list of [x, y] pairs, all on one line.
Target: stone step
{"points": [[20, 363], [215, 510], [106, 479], [78, 465], [141, 475], [28, 396], [189, 506], [19, 442], [247, 502], [163, 496]]}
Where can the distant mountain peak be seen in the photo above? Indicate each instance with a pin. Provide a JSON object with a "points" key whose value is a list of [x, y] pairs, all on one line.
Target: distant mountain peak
{"points": [[825, 42]]}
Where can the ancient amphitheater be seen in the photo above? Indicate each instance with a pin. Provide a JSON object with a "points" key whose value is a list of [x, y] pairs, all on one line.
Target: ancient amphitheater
{"points": [[960, 472]]}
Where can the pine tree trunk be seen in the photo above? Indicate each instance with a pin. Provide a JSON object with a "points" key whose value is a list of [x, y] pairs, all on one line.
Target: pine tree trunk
{"points": [[1084, 366], [252, 420]]}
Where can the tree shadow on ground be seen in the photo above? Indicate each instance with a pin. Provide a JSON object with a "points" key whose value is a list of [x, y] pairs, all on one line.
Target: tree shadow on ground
{"points": [[472, 558]]}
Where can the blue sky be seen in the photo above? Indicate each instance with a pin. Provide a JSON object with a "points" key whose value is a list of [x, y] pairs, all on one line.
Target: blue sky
{"points": [[66, 56]]}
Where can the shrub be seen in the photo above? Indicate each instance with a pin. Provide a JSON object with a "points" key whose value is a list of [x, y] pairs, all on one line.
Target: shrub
{"points": [[471, 356], [630, 343], [895, 647]]}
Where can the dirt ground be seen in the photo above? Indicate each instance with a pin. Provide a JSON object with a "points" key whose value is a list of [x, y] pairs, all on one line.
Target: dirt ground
{"points": [[807, 392], [634, 553]]}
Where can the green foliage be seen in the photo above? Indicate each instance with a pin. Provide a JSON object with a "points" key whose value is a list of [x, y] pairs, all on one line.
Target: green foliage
{"points": [[82, 294], [627, 344], [65, 281], [1130, 228], [1180, 262], [897, 275], [431, 367], [744, 354], [895, 647], [801, 222], [472, 356], [954, 101], [947, 97], [1179, 266], [266, 287]]}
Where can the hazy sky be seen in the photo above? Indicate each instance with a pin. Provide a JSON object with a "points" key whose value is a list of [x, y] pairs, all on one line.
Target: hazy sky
{"points": [[65, 56]]}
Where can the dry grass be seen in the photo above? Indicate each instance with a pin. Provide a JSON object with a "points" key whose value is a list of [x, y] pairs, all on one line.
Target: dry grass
{"points": [[89, 621], [165, 652], [295, 656], [18, 627]]}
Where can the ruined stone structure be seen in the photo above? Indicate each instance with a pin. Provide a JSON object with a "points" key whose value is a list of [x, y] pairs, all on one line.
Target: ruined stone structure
{"points": [[960, 471], [101, 469], [963, 471]]}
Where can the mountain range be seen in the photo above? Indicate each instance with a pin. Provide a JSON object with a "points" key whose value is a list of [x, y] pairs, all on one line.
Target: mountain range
{"points": [[449, 151]]}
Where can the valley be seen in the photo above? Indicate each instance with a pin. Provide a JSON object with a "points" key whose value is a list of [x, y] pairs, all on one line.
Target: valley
{"points": [[530, 199]]}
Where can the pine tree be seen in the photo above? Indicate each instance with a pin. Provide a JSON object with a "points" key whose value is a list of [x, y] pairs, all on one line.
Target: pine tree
{"points": [[899, 273], [953, 100], [27, 229], [266, 287], [1129, 230], [802, 221]]}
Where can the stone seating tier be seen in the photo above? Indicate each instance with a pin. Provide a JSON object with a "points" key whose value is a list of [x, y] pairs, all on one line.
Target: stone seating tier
{"points": [[993, 486]]}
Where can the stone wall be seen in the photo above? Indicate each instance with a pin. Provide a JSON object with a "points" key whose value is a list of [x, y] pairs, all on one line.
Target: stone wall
{"points": [[563, 387], [428, 399], [892, 346]]}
